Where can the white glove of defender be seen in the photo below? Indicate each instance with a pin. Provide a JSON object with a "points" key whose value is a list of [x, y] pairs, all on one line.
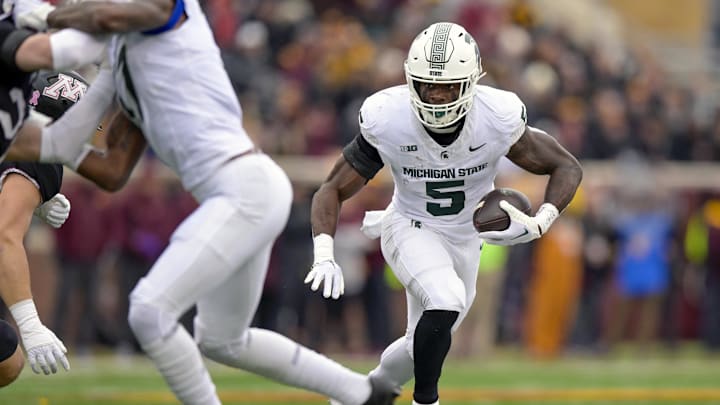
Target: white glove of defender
{"points": [[523, 228], [54, 211], [325, 269], [44, 350], [32, 14]]}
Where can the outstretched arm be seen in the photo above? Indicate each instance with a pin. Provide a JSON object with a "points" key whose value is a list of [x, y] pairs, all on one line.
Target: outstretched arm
{"points": [[97, 17], [108, 168], [23, 50], [64, 140]]}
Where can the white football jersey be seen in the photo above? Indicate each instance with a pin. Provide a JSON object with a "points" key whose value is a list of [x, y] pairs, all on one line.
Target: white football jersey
{"points": [[440, 186], [175, 88]]}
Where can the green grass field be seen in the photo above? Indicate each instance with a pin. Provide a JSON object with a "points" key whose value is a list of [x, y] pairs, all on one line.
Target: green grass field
{"points": [[687, 378]]}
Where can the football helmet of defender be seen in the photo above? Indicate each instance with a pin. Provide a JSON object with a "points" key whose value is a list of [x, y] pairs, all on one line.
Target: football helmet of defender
{"points": [[442, 137], [26, 189], [23, 50], [53, 93]]}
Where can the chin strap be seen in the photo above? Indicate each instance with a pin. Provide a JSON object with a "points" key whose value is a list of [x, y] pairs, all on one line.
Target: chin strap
{"points": [[445, 130]]}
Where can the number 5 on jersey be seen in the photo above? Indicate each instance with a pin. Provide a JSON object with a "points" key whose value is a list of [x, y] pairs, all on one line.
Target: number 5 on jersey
{"points": [[434, 189]]}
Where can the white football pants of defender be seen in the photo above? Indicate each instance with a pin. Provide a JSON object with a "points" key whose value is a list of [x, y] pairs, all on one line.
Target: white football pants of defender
{"points": [[218, 259], [437, 275]]}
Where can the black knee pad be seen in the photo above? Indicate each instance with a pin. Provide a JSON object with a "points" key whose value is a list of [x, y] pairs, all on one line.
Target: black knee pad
{"points": [[8, 340]]}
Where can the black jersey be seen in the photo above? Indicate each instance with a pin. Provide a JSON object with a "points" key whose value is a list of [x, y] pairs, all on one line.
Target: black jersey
{"points": [[15, 86], [47, 177]]}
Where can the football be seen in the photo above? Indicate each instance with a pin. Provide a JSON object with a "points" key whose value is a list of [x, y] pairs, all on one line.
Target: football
{"points": [[488, 215]]}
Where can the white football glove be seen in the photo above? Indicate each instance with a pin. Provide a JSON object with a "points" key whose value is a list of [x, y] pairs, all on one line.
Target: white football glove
{"points": [[32, 14], [523, 228], [325, 269], [54, 211], [44, 349]]}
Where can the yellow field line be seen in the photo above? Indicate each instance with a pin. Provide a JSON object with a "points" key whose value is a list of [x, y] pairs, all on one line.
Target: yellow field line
{"points": [[455, 394]]}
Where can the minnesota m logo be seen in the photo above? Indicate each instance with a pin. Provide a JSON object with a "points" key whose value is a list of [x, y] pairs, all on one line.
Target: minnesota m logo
{"points": [[65, 86]]}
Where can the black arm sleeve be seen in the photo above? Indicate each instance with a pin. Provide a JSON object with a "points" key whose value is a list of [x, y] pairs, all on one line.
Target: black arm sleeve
{"points": [[10, 40], [363, 157]]}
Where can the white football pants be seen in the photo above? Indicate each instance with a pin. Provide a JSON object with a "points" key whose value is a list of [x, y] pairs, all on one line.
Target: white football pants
{"points": [[218, 258], [436, 273]]}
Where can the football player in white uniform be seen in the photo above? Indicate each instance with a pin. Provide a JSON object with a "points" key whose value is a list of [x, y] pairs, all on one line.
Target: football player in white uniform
{"points": [[442, 136], [170, 80]]}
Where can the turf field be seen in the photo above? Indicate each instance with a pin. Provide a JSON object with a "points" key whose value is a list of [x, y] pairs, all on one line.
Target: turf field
{"points": [[687, 378]]}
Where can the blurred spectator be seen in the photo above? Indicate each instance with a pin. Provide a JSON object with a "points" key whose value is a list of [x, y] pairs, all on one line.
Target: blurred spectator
{"points": [[513, 294], [703, 250], [376, 292], [290, 261], [306, 62], [644, 228], [478, 334], [554, 288], [598, 262], [80, 242]]}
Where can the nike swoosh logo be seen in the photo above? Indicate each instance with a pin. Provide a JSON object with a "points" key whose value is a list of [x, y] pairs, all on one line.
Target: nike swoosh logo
{"points": [[521, 235], [471, 149]]}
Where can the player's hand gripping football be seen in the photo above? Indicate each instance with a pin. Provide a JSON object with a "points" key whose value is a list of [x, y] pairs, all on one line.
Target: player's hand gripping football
{"points": [[44, 349], [523, 228], [325, 270], [54, 211]]}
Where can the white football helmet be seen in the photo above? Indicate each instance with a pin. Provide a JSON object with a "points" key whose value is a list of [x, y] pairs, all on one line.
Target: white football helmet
{"points": [[443, 53]]}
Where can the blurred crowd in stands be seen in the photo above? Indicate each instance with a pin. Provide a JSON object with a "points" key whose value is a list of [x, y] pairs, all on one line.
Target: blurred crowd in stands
{"points": [[633, 262], [303, 68]]}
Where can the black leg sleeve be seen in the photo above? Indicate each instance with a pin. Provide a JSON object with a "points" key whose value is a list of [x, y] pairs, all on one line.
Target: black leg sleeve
{"points": [[431, 345]]}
